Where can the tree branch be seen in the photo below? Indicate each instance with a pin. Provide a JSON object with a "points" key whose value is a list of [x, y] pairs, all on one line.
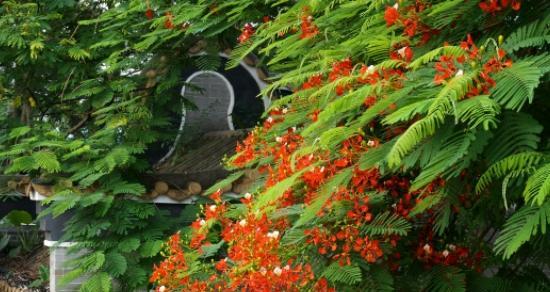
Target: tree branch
{"points": [[80, 124]]}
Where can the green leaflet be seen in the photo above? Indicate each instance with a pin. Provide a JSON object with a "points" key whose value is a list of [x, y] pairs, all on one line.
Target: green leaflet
{"points": [[537, 189], [221, 184], [530, 35], [521, 227], [276, 191], [387, 224], [343, 273], [516, 84]]}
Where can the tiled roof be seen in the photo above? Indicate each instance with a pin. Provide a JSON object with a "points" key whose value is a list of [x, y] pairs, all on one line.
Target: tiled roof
{"points": [[202, 159]]}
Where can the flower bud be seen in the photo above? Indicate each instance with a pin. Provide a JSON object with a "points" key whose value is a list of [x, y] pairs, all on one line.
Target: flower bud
{"points": [[242, 223], [273, 235]]}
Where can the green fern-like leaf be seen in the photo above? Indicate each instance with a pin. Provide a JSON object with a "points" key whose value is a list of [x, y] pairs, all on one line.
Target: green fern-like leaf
{"points": [[426, 203], [520, 227], [94, 261], [415, 134], [19, 132], [47, 161], [223, 183], [516, 85], [378, 279], [78, 54], [442, 218], [537, 189], [100, 282], [343, 274], [452, 151], [447, 279], [115, 264], [518, 132], [277, 190], [212, 249], [207, 62], [129, 244], [387, 224], [150, 248], [531, 35], [525, 161], [128, 188], [478, 110]]}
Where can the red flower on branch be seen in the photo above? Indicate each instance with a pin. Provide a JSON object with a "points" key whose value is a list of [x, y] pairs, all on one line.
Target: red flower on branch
{"points": [[492, 6], [391, 15], [168, 22], [309, 29], [247, 32], [149, 13]]}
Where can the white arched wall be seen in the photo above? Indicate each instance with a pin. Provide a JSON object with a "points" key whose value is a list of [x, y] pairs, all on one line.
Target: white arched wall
{"points": [[251, 70]]}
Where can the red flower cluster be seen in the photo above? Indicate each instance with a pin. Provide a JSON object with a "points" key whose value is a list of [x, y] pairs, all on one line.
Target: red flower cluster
{"points": [[492, 6], [360, 212], [391, 15], [451, 255], [313, 81], [309, 29], [171, 271], [445, 69], [287, 144], [404, 53], [343, 243], [341, 69], [364, 180], [409, 20], [253, 245], [353, 146], [494, 65], [168, 22], [470, 47], [149, 13], [314, 115], [245, 150], [368, 74], [247, 32]]}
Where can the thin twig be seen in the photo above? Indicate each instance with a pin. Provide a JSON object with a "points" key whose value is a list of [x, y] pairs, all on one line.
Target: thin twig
{"points": [[80, 124], [67, 82]]}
